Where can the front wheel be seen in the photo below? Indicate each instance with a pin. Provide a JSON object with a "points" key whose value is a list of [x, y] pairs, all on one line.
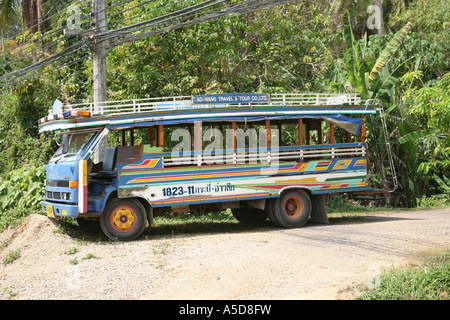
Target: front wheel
{"points": [[123, 219], [291, 210]]}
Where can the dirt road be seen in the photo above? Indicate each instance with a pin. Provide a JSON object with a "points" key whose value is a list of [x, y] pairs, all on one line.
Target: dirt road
{"points": [[264, 262]]}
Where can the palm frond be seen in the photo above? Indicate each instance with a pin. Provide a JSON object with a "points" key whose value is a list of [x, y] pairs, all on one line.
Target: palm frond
{"points": [[389, 51]]}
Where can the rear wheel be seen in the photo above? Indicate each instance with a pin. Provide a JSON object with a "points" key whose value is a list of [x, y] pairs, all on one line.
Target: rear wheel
{"points": [[291, 210], [123, 219]]}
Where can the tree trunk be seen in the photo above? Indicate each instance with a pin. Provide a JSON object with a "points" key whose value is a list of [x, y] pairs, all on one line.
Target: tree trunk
{"points": [[34, 15]]}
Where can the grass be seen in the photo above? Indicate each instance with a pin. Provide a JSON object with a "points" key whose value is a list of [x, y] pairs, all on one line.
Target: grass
{"points": [[190, 223], [426, 279], [12, 256]]}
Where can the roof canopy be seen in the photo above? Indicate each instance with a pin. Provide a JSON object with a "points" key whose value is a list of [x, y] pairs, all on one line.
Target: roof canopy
{"points": [[210, 108]]}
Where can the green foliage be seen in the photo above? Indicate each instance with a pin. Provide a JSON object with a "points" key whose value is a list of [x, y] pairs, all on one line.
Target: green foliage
{"points": [[21, 193], [390, 49], [280, 50], [12, 256], [427, 16], [433, 103], [434, 201], [421, 282], [430, 104]]}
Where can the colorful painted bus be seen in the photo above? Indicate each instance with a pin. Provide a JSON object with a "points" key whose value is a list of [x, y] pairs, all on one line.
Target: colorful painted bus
{"points": [[264, 156]]}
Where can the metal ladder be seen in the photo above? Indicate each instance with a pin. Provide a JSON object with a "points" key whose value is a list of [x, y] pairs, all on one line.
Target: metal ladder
{"points": [[383, 149]]}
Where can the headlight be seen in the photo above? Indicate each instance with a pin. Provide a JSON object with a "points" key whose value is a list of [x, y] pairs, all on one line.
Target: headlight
{"points": [[66, 196]]}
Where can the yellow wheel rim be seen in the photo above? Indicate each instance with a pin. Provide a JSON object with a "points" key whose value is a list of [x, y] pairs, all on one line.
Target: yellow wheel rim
{"points": [[123, 219]]}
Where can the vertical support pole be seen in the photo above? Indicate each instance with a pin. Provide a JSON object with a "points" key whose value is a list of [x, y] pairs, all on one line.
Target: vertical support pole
{"points": [[132, 137], [307, 135], [268, 133], [300, 136], [250, 137], [300, 132], [233, 135], [332, 139], [99, 57], [363, 130], [279, 133], [99, 72], [192, 142], [233, 141], [160, 135], [150, 136], [347, 134], [198, 142], [252, 153], [319, 131], [123, 142], [269, 139]]}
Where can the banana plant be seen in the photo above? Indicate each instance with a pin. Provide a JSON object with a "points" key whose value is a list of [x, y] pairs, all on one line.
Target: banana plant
{"points": [[367, 78], [372, 79]]}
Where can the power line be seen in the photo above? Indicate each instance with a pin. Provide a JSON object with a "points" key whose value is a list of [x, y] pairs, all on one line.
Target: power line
{"points": [[145, 13], [188, 16], [166, 17], [41, 74], [39, 39], [244, 8], [69, 50]]}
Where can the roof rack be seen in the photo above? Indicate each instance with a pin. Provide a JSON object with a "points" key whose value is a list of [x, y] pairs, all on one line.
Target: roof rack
{"points": [[244, 102], [133, 106]]}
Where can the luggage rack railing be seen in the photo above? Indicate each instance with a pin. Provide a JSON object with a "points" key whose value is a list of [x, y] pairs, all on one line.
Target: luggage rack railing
{"points": [[134, 106], [266, 155]]}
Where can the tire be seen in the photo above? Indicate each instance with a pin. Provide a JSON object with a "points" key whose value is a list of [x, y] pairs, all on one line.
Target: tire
{"points": [[123, 219], [249, 215], [291, 210]]}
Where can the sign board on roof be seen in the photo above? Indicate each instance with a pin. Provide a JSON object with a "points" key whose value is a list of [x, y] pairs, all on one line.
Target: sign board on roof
{"points": [[57, 107], [231, 98]]}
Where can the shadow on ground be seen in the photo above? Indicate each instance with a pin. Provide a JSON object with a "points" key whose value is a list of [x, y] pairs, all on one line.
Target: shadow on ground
{"points": [[193, 227]]}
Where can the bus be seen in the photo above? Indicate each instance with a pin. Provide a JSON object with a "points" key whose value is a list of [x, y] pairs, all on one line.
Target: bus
{"points": [[264, 156]]}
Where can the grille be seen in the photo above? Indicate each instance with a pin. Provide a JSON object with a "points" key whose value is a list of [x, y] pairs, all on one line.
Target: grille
{"points": [[58, 183]]}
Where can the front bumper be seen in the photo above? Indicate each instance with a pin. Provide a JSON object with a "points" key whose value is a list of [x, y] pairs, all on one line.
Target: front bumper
{"points": [[60, 209]]}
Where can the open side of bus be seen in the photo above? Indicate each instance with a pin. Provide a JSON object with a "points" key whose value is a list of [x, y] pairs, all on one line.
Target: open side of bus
{"points": [[262, 162]]}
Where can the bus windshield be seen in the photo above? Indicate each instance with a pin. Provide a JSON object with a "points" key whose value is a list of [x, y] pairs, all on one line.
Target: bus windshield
{"points": [[71, 145]]}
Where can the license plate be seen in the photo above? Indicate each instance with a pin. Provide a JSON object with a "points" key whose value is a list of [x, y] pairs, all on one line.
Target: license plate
{"points": [[49, 209]]}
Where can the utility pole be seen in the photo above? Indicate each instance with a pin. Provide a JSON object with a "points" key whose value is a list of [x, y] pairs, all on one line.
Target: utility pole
{"points": [[99, 72], [99, 56], [99, 50]]}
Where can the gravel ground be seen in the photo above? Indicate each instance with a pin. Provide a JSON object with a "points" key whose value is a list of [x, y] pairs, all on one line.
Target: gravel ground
{"points": [[314, 262]]}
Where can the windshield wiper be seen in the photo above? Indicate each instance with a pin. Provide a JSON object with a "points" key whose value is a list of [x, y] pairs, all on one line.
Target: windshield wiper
{"points": [[65, 156]]}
